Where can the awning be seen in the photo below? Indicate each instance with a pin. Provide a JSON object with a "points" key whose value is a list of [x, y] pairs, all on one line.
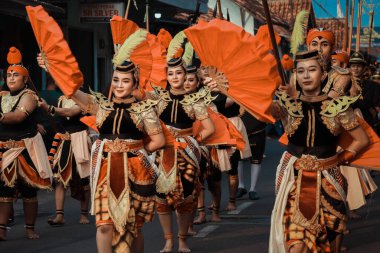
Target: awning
{"points": [[187, 4]]}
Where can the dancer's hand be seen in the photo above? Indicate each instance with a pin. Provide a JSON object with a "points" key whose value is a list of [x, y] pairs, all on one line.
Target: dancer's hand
{"points": [[211, 83], [41, 62]]}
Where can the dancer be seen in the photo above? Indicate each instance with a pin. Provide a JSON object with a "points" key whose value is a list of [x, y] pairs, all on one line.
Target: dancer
{"points": [[70, 159], [309, 212], [123, 175], [23, 158], [179, 164]]}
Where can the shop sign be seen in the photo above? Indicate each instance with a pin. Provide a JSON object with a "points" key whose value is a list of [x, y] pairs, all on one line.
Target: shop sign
{"points": [[100, 12]]}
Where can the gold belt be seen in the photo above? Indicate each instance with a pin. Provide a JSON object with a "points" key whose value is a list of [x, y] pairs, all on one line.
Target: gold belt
{"points": [[12, 144], [312, 163], [122, 146]]}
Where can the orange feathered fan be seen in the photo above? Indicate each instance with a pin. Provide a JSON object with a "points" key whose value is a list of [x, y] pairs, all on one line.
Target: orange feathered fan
{"points": [[244, 60], [150, 55], [60, 62], [369, 158], [225, 132]]}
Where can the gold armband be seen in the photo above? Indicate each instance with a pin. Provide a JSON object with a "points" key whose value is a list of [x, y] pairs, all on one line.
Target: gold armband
{"points": [[23, 109]]}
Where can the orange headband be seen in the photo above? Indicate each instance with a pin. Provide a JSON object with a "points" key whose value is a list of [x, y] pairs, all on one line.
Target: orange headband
{"points": [[326, 34], [342, 57], [19, 69]]}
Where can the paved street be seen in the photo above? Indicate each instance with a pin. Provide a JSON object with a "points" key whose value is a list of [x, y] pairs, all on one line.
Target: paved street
{"points": [[244, 230]]}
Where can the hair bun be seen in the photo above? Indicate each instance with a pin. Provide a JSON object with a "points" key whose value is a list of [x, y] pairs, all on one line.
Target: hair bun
{"points": [[14, 56]]}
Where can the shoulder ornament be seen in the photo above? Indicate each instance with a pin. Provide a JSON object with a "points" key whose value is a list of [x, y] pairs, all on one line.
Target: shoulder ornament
{"points": [[292, 106], [162, 93], [143, 106], [102, 101], [331, 108], [192, 98]]}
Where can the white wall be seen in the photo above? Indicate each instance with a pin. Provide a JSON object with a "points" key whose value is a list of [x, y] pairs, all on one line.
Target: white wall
{"points": [[236, 14]]}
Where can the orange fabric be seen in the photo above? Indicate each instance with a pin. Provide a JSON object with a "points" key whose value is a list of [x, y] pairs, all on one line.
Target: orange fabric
{"points": [[169, 138], [341, 57], [308, 194], [225, 132], [287, 62], [326, 34], [243, 53], [90, 121], [284, 139], [168, 159], [61, 63], [164, 37], [138, 170], [263, 36], [32, 176], [117, 175], [21, 70], [14, 56], [150, 55], [369, 158]]}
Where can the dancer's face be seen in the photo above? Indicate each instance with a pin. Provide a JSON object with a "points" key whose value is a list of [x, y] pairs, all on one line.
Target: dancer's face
{"points": [[122, 84], [309, 75], [323, 46], [204, 72], [176, 77], [191, 82], [15, 81]]}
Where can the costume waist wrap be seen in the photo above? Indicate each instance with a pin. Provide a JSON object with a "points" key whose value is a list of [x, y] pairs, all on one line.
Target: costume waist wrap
{"points": [[312, 163], [122, 146], [12, 144]]}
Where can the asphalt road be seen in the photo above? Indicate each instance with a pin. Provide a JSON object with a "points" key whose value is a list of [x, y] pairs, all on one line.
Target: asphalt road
{"points": [[245, 230]]}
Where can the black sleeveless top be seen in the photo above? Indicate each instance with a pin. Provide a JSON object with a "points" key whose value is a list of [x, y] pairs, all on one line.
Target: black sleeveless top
{"points": [[174, 114], [24, 129], [312, 136], [119, 124]]}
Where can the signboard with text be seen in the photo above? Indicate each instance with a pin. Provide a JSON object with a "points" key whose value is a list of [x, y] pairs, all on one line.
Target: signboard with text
{"points": [[100, 12]]}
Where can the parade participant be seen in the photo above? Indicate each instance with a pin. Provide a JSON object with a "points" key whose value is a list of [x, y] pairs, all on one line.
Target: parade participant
{"points": [[179, 164], [230, 110], [122, 175], [337, 81], [370, 90], [257, 138], [208, 171], [309, 212], [70, 159], [376, 76], [24, 163], [339, 59]]}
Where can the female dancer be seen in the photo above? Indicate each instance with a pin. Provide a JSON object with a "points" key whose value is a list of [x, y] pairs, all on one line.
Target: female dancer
{"points": [[309, 213], [179, 164], [123, 176]]}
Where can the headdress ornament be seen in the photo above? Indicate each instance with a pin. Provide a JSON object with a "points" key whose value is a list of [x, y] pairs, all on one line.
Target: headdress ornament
{"points": [[14, 58], [320, 32]]}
